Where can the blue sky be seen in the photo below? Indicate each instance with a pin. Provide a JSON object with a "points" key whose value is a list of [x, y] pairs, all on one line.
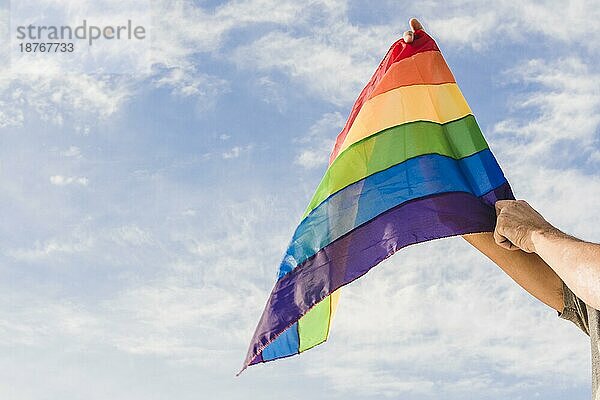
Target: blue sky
{"points": [[145, 212]]}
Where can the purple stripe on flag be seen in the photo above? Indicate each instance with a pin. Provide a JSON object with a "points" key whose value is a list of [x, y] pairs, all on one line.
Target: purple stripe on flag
{"points": [[352, 255], [502, 192], [257, 360]]}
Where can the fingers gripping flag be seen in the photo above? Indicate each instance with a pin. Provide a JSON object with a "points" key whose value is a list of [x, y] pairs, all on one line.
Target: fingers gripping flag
{"points": [[410, 165]]}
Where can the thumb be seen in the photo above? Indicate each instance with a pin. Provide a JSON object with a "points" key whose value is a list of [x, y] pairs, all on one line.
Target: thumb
{"points": [[499, 205], [503, 242], [415, 25]]}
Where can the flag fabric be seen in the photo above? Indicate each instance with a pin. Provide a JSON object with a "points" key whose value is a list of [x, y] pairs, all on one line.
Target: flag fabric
{"points": [[410, 165]]}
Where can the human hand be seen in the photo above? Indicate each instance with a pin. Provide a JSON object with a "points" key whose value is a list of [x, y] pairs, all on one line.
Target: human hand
{"points": [[415, 25], [516, 223]]}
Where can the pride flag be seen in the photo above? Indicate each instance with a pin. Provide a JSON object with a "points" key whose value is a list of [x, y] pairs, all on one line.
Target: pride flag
{"points": [[410, 165]]}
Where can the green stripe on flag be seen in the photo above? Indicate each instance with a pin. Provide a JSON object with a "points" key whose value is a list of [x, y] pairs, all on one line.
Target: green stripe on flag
{"points": [[392, 146]]}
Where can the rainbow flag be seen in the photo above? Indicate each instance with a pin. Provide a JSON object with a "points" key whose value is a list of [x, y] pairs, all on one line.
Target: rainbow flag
{"points": [[410, 165]]}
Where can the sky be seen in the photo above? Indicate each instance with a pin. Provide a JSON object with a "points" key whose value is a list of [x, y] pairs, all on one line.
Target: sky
{"points": [[148, 194]]}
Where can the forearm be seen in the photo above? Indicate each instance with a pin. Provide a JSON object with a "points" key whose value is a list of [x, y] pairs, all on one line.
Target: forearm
{"points": [[576, 262], [528, 270]]}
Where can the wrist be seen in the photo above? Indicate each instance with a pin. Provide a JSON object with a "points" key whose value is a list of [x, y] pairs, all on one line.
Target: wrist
{"points": [[539, 235]]}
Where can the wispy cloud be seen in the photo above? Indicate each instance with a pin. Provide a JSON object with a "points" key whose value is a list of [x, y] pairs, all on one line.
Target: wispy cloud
{"points": [[330, 63], [52, 248], [548, 140], [316, 145], [564, 96]]}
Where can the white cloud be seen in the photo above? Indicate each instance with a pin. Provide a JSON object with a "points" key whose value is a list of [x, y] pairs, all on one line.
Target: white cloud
{"points": [[60, 180], [565, 98], [548, 141], [236, 151], [72, 88], [330, 68], [10, 116], [281, 12], [190, 82], [467, 29], [473, 24], [595, 156], [56, 95], [272, 93], [62, 87], [317, 143], [179, 32], [132, 235], [182, 30], [72, 151], [174, 319], [52, 248], [204, 303], [34, 321]]}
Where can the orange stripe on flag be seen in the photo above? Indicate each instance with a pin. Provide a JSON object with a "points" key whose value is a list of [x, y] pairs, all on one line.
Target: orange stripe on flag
{"points": [[428, 68]]}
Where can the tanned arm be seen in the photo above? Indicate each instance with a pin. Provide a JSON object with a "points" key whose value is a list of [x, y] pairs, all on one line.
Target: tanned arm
{"points": [[528, 270]]}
